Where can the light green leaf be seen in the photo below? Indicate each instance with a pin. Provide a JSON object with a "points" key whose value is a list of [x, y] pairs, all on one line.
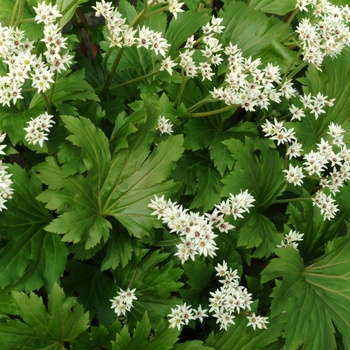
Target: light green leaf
{"points": [[164, 338], [67, 9], [241, 337], [41, 329], [70, 87], [120, 185], [30, 257], [186, 24], [251, 29], [312, 299], [275, 7]]}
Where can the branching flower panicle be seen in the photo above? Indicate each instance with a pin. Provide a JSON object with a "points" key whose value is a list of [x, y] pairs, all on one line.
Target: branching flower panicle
{"points": [[197, 231], [325, 32]]}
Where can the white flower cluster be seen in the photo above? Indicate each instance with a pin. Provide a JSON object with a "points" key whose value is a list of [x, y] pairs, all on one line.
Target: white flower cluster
{"points": [[326, 34], [123, 301], [311, 104], [38, 129], [164, 126], [249, 86], [5, 181], [210, 52], [22, 64], [122, 35], [230, 299], [331, 161], [278, 132], [183, 314], [174, 6], [195, 230], [291, 239], [225, 303]]}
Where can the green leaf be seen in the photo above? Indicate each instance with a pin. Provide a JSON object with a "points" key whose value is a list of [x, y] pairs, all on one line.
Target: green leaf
{"points": [[97, 338], [13, 122], [256, 230], [186, 24], [120, 249], [241, 337], [154, 280], [192, 345], [39, 328], [120, 185], [67, 9], [164, 338], [307, 219], [258, 169], [312, 299], [275, 7], [209, 187], [29, 256], [70, 87], [94, 288], [332, 83], [251, 29]]}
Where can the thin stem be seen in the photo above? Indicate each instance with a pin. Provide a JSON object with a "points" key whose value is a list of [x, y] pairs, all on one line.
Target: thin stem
{"points": [[288, 200], [20, 12], [14, 13], [297, 70], [134, 80], [291, 65], [46, 101], [106, 57], [133, 277], [220, 110], [200, 103], [287, 24], [163, 9], [110, 76], [185, 79], [167, 243], [53, 87]]}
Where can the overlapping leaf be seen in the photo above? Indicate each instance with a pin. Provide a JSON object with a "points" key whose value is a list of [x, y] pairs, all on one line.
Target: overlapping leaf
{"points": [[94, 288], [40, 328], [258, 169], [30, 257], [314, 299], [331, 82], [275, 7], [251, 29], [239, 337], [118, 185]]}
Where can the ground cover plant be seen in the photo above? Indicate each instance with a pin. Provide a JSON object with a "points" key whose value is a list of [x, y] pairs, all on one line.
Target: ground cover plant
{"points": [[174, 174]]}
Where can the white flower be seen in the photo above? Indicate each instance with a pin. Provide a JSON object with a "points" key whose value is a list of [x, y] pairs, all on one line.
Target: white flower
{"points": [[164, 126], [257, 321], [168, 64], [294, 175], [175, 7], [123, 301], [38, 129]]}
